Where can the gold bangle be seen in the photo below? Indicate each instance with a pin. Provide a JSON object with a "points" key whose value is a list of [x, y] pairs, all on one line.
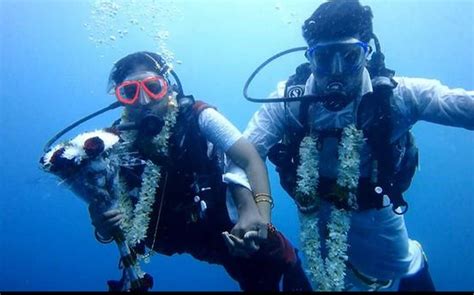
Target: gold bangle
{"points": [[265, 198], [262, 195]]}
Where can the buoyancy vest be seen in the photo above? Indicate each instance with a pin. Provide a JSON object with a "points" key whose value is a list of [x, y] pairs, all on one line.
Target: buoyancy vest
{"points": [[395, 161]]}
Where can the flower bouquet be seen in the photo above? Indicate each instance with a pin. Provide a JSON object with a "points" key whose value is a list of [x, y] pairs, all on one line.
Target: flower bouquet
{"points": [[90, 164]]}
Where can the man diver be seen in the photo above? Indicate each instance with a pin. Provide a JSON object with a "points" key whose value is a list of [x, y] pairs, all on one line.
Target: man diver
{"points": [[341, 87], [190, 213]]}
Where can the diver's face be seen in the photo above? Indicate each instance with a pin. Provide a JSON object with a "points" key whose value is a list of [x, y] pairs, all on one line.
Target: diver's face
{"points": [[338, 70]]}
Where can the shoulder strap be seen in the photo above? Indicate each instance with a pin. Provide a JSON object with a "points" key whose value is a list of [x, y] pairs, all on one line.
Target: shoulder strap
{"points": [[295, 84], [191, 141], [295, 87], [379, 133]]}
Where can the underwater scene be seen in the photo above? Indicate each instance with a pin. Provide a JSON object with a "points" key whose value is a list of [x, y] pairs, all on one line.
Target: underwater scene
{"points": [[175, 75]]}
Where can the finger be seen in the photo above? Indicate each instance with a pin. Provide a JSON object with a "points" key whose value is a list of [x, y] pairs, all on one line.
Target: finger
{"points": [[251, 239], [116, 225], [230, 244], [252, 246], [111, 221], [103, 223], [237, 241], [228, 241], [237, 231], [111, 213], [257, 236], [107, 217]]}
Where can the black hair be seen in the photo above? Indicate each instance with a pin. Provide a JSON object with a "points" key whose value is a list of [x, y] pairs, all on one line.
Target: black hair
{"points": [[148, 61], [338, 19]]}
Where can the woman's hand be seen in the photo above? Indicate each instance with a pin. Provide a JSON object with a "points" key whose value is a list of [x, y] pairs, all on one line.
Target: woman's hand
{"points": [[106, 223], [250, 230]]}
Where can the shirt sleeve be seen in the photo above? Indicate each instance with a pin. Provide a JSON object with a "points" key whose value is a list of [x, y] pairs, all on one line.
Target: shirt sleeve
{"points": [[431, 101], [217, 129], [266, 127], [223, 134]]}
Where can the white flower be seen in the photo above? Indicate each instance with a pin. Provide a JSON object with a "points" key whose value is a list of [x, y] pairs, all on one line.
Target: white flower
{"points": [[307, 171], [74, 149]]}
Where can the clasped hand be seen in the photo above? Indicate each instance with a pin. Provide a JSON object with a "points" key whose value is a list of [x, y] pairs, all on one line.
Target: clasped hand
{"points": [[246, 236]]}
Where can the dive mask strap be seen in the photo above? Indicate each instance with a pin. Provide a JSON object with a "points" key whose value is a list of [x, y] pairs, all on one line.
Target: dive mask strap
{"points": [[376, 65]]}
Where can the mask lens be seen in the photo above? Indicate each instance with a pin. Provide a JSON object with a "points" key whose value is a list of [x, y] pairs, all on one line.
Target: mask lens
{"points": [[322, 58], [127, 92], [155, 87], [350, 56]]}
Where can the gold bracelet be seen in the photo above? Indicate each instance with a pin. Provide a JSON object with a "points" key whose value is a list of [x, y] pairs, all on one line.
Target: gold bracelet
{"points": [[262, 195], [264, 198]]}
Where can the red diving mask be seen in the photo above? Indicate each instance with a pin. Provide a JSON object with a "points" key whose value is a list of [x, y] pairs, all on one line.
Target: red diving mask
{"points": [[128, 92]]}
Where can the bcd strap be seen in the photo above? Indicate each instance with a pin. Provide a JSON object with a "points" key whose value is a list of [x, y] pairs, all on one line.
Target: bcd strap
{"points": [[378, 135], [295, 85], [205, 168]]}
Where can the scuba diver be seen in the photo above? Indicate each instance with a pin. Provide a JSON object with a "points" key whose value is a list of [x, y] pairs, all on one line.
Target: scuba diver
{"points": [[191, 142], [338, 132]]}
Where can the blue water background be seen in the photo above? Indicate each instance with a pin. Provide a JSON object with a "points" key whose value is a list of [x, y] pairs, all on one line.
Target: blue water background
{"points": [[51, 74]]}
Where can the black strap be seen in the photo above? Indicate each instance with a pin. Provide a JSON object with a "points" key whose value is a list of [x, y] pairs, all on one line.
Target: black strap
{"points": [[379, 138]]}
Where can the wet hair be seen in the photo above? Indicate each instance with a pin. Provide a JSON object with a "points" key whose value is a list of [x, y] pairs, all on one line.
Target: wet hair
{"points": [[338, 19], [143, 60]]}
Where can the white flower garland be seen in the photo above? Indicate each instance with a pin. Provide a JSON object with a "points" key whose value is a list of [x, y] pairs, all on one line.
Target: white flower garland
{"points": [[136, 221], [329, 273], [135, 227], [308, 171], [349, 161], [161, 141]]}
